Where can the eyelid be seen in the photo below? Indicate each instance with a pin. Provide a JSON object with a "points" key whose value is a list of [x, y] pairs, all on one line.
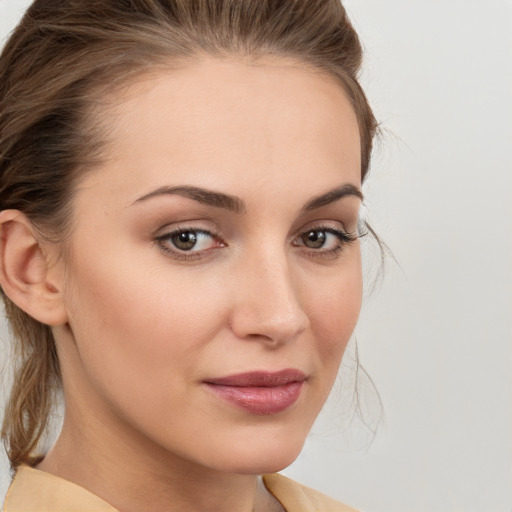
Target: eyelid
{"points": [[192, 224], [343, 235], [326, 225]]}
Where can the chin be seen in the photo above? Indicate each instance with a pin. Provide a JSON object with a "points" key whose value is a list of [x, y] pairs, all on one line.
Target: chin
{"points": [[262, 456]]}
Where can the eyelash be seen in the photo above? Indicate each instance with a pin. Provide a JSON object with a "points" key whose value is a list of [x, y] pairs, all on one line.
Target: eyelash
{"points": [[164, 241], [344, 238]]}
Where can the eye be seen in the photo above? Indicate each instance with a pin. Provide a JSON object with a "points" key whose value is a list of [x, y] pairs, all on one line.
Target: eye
{"points": [[188, 240], [316, 239], [324, 241]]}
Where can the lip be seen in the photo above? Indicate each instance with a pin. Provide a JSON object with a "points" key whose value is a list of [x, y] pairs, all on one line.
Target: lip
{"points": [[260, 392]]}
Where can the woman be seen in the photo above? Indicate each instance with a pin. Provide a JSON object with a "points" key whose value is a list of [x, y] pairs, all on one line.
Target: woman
{"points": [[180, 189]]}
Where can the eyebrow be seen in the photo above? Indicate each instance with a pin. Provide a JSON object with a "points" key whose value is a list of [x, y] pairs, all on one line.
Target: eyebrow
{"points": [[347, 189], [237, 205], [201, 195]]}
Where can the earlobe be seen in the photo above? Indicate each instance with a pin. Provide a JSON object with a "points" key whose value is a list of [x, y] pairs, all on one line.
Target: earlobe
{"points": [[24, 270]]}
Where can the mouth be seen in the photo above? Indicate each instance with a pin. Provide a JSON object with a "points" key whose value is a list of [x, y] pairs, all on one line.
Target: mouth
{"points": [[260, 392]]}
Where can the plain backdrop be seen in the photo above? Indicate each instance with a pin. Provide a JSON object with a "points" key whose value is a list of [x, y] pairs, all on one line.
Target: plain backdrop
{"points": [[436, 336]]}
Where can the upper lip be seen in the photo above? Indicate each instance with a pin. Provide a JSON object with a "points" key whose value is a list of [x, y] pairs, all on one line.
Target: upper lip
{"points": [[260, 378]]}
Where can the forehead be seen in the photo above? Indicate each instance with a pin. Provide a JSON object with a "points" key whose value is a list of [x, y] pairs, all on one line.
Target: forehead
{"points": [[215, 121]]}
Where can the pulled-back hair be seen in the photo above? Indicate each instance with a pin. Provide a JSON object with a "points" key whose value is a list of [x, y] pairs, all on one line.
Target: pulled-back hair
{"points": [[65, 56]]}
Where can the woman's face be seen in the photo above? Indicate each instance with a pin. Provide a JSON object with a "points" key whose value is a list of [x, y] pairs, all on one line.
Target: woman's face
{"points": [[214, 277]]}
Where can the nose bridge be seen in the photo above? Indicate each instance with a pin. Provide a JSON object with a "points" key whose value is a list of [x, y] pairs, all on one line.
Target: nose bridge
{"points": [[270, 306]]}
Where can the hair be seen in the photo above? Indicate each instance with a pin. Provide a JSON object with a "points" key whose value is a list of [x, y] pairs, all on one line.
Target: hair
{"points": [[66, 56]]}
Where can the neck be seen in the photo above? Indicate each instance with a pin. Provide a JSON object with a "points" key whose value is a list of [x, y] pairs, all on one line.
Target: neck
{"points": [[145, 479]]}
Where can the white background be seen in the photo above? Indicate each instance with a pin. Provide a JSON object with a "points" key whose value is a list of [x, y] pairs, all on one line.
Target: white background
{"points": [[437, 336]]}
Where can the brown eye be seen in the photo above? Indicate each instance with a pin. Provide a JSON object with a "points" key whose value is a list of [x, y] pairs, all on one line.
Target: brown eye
{"points": [[184, 240], [314, 239], [322, 241], [192, 242]]}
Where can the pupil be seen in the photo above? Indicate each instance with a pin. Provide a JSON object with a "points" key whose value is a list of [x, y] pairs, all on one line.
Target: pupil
{"points": [[185, 240], [314, 239]]}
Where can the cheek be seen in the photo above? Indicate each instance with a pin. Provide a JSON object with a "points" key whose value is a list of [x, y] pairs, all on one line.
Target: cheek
{"points": [[137, 329], [334, 310]]}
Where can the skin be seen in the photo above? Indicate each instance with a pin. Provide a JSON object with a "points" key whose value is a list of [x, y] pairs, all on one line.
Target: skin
{"points": [[143, 328]]}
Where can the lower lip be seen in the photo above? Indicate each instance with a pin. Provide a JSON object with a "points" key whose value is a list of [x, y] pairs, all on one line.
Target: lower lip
{"points": [[259, 400]]}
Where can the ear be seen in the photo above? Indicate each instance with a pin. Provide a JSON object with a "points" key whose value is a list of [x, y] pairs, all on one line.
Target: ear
{"points": [[25, 273]]}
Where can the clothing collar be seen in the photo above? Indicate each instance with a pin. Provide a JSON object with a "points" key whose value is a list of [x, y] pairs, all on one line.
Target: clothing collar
{"points": [[33, 490]]}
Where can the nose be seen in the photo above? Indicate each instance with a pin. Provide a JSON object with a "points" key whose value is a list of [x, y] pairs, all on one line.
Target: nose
{"points": [[267, 305]]}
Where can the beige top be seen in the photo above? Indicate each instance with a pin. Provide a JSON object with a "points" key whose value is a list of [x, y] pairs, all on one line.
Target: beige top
{"points": [[33, 490]]}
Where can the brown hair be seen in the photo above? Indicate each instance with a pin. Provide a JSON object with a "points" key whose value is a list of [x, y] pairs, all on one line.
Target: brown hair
{"points": [[66, 55]]}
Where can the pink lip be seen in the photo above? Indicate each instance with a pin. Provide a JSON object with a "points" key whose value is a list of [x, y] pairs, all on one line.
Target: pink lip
{"points": [[260, 392]]}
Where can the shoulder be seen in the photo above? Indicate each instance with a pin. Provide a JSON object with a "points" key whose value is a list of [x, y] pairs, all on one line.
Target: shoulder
{"points": [[33, 490], [296, 497]]}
